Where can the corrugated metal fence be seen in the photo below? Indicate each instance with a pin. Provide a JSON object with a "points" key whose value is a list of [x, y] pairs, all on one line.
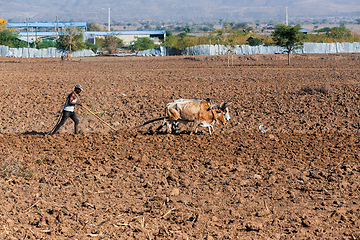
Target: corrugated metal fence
{"points": [[5, 51], [247, 49], [196, 50]]}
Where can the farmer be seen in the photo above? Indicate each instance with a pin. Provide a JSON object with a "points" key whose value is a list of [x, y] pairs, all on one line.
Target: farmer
{"points": [[68, 110]]}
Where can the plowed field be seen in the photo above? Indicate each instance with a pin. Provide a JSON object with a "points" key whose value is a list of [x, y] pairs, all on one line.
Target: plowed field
{"points": [[297, 179]]}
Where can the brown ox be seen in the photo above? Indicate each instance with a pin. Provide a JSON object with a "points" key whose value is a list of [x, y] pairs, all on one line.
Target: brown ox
{"points": [[67, 57], [200, 113]]}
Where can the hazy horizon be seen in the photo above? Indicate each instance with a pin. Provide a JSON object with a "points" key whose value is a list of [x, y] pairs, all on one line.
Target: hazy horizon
{"points": [[171, 10]]}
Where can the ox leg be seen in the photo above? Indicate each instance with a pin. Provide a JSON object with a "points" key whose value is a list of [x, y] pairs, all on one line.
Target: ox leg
{"points": [[168, 127], [196, 129], [174, 127], [195, 126], [209, 129]]}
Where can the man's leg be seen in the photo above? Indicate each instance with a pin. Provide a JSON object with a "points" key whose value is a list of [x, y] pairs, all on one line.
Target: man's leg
{"points": [[65, 116], [76, 122]]}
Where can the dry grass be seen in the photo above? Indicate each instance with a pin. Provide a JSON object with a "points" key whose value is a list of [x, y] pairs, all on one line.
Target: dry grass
{"points": [[14, 165], [322, 89]]}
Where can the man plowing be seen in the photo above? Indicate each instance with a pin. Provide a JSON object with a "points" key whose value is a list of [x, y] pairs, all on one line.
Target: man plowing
{"points": [[69, 110]]}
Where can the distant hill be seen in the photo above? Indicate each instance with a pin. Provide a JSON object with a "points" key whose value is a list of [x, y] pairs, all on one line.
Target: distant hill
{"points": [[130, 10]]}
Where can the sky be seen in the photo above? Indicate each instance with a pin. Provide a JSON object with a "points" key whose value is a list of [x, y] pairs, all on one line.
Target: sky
{"points": [[172, 10]]}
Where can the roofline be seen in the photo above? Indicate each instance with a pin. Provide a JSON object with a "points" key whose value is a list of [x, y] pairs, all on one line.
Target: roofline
{"points": [[97, 33], [47, 24], [146, 32]]}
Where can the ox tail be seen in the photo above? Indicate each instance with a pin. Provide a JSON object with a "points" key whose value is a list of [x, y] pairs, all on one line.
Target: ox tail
{"points": [[145, 123], [165, 117]]}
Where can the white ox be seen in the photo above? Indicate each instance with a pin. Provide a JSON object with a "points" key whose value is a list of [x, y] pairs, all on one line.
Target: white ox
{"points": [[200, 112]]}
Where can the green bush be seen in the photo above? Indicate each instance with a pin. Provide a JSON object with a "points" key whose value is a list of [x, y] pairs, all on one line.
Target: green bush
{"points": [[335, 34], [43, 43], [254, 41], [91, 46], [143, 44], [8, 37]]}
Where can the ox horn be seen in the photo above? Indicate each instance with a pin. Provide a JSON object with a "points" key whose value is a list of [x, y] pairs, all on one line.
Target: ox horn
{"points": [[210, 103], [223, 105]]}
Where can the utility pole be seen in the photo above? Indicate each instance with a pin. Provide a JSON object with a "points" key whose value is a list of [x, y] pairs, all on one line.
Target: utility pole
{"points": [[27, 36], [109, 21], [287, 17], [57, 28]]}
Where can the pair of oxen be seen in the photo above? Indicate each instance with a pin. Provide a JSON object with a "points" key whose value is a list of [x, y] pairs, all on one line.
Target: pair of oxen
{"points": [[202, 113]]}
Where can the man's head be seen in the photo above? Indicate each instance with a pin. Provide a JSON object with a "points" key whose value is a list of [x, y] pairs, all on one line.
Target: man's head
{"points": [[78, 88]]}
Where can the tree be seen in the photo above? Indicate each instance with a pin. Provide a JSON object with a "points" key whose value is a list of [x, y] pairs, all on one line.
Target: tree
{"points": [[171, 41], [324, 30], [112, 44], [227, 26], [288, 37], [254, 41], [168, 33], [339, 32], [71, 40], [182, 35], [93, 27], [242, 25], [42, 43], [147, 27], [187, 29], [8, 37], [92, 47], [143, 44]]}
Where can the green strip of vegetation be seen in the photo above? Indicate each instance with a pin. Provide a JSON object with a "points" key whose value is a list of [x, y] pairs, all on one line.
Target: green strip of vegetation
{"points": [[230, 35]]}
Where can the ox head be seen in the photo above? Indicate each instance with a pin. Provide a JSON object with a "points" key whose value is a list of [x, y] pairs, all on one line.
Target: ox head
{"points": [[224, 108], [220, 116], [218, 113]]}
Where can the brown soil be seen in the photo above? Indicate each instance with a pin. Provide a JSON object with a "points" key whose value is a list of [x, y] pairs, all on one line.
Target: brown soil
{"points": [[299, 180]]}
